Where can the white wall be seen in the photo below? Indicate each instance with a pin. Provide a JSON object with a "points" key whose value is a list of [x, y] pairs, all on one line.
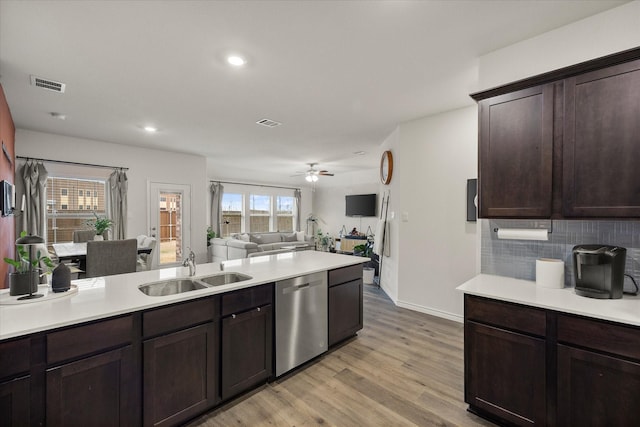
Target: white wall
{"points": [[144, 165], [329, 206], [608, 32], [437, 251], [390, 264]]}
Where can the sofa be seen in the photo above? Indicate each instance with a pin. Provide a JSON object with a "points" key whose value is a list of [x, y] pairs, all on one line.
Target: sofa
{"points": [[243, 245]]}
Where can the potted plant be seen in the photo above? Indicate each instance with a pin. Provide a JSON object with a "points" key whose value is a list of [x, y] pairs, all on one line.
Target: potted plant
{"points": [[369, 268], [100, 225], [27, 270], [210, 235]]}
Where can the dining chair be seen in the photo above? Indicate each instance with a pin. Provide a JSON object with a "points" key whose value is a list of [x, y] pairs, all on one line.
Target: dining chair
{"points": [[146, 261], [81, 236], [108, 257]]}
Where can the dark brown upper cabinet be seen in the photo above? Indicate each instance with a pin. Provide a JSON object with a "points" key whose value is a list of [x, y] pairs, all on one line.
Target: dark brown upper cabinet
{"points": [[516, 154], [602, 143], [563, 144]]}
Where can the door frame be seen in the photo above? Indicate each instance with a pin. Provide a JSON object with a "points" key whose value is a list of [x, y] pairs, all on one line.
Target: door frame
{"points": [[185, 189]]}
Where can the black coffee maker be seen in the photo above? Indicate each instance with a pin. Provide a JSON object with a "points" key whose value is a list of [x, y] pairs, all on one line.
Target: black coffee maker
{"points": [[598, 270]]}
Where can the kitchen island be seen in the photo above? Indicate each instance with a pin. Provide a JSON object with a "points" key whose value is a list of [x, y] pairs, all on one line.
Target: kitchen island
{"points": [[112, 353], [539, 356]]}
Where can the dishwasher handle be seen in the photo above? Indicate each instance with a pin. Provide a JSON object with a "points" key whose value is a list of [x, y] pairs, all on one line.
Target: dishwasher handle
{"points": [[300, 287]]}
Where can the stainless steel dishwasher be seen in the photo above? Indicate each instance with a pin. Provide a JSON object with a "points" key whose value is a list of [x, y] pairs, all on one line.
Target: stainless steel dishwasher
{"points": [[301, 320]]}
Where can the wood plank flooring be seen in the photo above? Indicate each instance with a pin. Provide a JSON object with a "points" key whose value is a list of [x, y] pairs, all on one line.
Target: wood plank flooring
{"points": [[404, 369]]}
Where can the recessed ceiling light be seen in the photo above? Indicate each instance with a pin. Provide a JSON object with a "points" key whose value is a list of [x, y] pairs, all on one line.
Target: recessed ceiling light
{"points": [[150, 129], [359, 153], [236, 61]]}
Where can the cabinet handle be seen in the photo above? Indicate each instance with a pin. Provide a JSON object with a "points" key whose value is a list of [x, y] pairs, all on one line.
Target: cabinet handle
{"points": [[258, 308], [233, 316]]}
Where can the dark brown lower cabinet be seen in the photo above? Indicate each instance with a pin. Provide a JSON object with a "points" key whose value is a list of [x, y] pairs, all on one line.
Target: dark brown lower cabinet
{"points": [[345, 310], [179, 375], [596, 390], [99, 389], [505, 374], [247, 345], [14, 402]]}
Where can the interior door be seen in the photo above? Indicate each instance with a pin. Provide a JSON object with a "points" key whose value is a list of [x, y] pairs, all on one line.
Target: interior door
{"points": [[169, 220]]}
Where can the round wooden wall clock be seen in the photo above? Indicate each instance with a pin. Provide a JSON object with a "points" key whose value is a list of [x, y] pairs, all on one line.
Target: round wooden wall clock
{"points": [[386, 167]]}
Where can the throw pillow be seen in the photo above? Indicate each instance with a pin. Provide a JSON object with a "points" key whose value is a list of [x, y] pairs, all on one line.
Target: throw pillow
{"points": [[293, 237], [244, 237], [300, 236], [256, 238]]}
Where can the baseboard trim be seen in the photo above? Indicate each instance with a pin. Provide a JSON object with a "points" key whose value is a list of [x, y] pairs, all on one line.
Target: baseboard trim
{"points": [[431, 311]]}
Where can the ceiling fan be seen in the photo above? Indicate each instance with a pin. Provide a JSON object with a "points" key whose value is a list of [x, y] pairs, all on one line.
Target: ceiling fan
{"points": [[312, 174]]}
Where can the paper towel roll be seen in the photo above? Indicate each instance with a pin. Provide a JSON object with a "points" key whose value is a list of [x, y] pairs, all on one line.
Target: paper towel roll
{"points": [[523, 233], [550, 273]]}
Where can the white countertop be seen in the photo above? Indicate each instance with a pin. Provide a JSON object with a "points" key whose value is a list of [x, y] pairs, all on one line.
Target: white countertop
{"points": [[103, 297], [625, 310]]}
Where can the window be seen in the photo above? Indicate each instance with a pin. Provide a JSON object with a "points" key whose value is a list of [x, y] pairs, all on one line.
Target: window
{"points": [[274, 209], [259, 213], [284, 213], [66, 213], [231, 214]]}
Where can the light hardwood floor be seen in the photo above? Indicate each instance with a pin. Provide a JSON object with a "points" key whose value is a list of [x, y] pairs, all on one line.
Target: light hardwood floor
{"points": [[404, 369]]}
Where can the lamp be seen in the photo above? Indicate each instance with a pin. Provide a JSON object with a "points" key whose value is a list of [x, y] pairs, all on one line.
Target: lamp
{"points": [[311, 177], [30, 241]]}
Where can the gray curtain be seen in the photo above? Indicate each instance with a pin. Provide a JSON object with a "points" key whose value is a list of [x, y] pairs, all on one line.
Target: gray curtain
{"points": [[117, 186], [217, 190], [34, 176], [298, 196]]}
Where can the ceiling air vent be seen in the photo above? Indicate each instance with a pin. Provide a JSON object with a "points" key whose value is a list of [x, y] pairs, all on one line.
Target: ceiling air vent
{"points": [[48, 84], [268, 123]]}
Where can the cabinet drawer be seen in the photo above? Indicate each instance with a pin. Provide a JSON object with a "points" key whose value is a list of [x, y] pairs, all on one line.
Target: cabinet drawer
{"points": [[178, 316], [246, 299], [506, 315], [87, 339], [345, 274], [15, 357], [608, 337]]}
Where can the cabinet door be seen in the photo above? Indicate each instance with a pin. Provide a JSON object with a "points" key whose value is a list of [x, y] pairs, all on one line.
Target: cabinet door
{"points": [[14, 403], [345, 310], [247, 346], [179, 375], [505, 374], [516, 154], [100, 389], [602, 143], [596, 390]]}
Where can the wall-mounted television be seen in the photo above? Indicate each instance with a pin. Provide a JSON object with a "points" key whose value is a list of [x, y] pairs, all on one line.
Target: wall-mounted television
{"points": [[360, 205]]}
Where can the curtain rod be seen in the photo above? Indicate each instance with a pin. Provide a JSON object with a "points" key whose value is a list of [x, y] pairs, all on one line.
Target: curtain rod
{"points": [[72, 163], [254, 185]]}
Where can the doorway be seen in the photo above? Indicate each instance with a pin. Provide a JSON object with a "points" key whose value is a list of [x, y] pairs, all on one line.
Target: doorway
{"points": [[169, 221]]}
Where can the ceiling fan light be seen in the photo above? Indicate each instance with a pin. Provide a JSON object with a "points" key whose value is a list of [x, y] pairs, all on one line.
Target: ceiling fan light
{"points": [[308, 178], [314, 178]]}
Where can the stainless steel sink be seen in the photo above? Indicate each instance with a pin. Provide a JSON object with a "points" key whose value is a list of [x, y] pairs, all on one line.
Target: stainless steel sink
{"points": [[224, 278], [170, 287]]}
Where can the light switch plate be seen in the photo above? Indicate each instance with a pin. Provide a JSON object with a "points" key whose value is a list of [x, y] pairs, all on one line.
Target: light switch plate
{"points": [[405, 216]]}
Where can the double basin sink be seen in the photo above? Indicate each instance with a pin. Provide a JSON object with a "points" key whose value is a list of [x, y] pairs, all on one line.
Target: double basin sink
{"points": [[178, 286]]}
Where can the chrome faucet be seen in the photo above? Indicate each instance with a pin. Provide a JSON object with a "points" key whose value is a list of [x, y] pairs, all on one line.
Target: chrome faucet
{"points": [[190, 262], [221, 266]]}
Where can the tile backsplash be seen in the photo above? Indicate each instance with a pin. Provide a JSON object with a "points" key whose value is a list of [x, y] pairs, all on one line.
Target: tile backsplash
{"points": [[517, 258]]}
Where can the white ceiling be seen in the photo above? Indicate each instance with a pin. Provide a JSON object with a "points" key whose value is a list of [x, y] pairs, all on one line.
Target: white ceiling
{"points": [[339, 75]]}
